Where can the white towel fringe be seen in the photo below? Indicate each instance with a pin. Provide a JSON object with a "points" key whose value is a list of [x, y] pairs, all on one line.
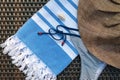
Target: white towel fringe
{"points": [[26, 60]]}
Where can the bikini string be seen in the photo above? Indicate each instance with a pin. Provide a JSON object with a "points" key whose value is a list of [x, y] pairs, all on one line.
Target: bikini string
{"points": [[62, 35]]}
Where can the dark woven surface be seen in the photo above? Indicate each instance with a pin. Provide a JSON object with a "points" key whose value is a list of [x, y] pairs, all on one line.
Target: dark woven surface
{"points": [[13, 14]]}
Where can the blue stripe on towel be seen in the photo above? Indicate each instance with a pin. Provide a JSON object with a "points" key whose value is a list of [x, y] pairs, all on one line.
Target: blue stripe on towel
{"points": [[44, 47], [67, 11], [73, 4]]}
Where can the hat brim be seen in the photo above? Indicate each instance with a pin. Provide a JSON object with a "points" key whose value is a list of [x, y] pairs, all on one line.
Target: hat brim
{"points": [[107, 5], [109, 53]]}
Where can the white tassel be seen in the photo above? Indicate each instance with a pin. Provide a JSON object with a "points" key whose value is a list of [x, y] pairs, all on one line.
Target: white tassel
{"points": [[28, 78], [2, 45], [6, 50], [27, 61], [25, 71]]}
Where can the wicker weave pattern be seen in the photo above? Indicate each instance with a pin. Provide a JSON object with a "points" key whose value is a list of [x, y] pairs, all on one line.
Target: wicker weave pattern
{"points": [[13, 14]]}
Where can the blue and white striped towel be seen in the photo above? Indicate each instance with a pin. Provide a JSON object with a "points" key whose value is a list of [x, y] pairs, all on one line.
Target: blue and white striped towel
{"points": [[42, 57]]}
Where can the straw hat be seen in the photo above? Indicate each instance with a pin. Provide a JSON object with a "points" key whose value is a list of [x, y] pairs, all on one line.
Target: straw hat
{"points": [[99, 25]]}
